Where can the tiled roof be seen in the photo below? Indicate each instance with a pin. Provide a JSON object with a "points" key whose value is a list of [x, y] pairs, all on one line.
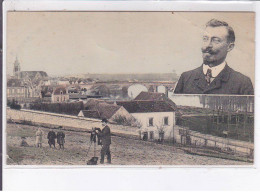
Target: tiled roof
{"points": [[153, 96], [139, 106], [57, 91], [104, 109], [150, 96], [91, 114], [15, 83], [32, 74]]}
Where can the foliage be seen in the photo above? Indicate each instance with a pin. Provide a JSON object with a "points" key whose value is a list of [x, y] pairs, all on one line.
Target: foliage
{"points": [[71, 108], [14, 105], [160, 128], [122, 120]]}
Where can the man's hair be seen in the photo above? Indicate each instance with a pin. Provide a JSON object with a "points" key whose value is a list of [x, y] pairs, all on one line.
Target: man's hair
{"points": [[217, 23]]}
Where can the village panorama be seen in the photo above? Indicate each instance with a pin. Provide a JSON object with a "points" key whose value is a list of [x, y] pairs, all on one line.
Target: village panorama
{"points": [[58, 120]]}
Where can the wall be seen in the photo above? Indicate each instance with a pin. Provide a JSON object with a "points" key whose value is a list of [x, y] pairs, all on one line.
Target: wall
{"points": [[158, 117]]}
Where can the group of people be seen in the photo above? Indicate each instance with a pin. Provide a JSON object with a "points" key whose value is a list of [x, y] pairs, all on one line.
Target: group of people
{"points": [[104, 135], [60, 136]]}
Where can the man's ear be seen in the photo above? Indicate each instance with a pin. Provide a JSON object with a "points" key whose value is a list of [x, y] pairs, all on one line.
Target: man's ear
{"points": [[230, 46]]}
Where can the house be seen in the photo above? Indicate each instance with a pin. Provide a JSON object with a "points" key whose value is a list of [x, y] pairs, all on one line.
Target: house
{"points": [[155, 97], [22, 91], [100, 109], [157, 118], [60, 94], [16, 89]]}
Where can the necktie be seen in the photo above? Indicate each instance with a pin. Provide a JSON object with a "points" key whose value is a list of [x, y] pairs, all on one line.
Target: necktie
{"points": [[208, 75]]}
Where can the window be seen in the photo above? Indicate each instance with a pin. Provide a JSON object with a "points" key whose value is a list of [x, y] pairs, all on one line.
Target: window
{"points": [[57, 99], [166, 121], [150, 121]]}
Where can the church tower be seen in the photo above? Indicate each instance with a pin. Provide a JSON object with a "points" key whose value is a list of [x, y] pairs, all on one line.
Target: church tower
{"points": [[17, 68]]}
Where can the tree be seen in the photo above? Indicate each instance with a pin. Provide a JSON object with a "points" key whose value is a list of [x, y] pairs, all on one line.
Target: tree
{"points": [[161, 131], [14, 105]]}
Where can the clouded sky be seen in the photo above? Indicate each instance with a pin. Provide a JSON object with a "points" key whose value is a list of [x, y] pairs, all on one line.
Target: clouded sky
{"points": [[120, 42]]}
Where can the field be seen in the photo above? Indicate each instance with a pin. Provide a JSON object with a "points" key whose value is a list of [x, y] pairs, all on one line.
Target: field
{"points": [[124, 151]]}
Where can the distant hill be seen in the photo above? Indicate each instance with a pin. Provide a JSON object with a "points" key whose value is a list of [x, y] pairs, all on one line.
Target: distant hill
{"points": [[139, 77]]}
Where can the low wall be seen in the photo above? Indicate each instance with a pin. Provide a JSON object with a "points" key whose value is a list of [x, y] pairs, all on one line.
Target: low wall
{"points": [[86, 124], [67, 121]]}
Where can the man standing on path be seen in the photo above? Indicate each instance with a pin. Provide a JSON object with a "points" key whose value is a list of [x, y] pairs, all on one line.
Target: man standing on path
{"points": [[39, 135], [51, 138], [61, 139], [105, 137]]}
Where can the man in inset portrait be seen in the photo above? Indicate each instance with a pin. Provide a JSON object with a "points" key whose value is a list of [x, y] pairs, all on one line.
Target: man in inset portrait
{"points": [[214, 76]]}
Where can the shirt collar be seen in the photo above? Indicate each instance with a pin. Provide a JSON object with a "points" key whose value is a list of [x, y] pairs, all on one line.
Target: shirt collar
{"points": [[214, 70]]}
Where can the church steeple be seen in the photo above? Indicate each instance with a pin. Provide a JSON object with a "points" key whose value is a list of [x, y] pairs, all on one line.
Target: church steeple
{"points": [[17, 68]]}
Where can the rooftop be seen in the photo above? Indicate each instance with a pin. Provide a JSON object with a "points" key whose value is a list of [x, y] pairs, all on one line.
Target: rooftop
{"points": [[144, 106]]}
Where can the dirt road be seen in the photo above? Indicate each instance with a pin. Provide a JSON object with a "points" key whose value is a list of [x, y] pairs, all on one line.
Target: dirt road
{"points": [[124, 151]]}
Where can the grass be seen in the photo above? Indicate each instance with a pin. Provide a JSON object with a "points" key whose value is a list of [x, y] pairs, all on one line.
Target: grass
{"points": [[22, 131], [16, 154], [42, 155], [124, 150]]}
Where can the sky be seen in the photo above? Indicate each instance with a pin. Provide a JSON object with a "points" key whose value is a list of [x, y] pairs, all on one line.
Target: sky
{"points": [[63, 43]]}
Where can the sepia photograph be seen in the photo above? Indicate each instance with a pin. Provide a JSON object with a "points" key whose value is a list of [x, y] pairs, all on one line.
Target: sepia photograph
{"points": [[114, 89]]}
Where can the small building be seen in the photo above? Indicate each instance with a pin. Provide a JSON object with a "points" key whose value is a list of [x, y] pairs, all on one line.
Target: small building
{"points": [[60, 94], [99, 109], [157, 118]]}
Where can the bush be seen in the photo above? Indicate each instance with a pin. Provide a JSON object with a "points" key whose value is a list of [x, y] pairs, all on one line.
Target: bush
{"points": [[72, 108], [14, 105], [122, 120]]}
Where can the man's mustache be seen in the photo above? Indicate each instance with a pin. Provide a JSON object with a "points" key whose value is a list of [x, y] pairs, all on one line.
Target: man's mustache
{"points": [[208, 50]]}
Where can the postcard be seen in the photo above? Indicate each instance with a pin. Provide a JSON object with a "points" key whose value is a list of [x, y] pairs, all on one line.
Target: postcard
{"points": [[113, 89]]}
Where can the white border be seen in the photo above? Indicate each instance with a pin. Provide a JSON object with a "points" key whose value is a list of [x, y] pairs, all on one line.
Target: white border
{"points": [[185, 178]]}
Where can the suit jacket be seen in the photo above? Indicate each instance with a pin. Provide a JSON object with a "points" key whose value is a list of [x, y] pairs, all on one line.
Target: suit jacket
{"points": [[228, 81], [105, 136]]}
